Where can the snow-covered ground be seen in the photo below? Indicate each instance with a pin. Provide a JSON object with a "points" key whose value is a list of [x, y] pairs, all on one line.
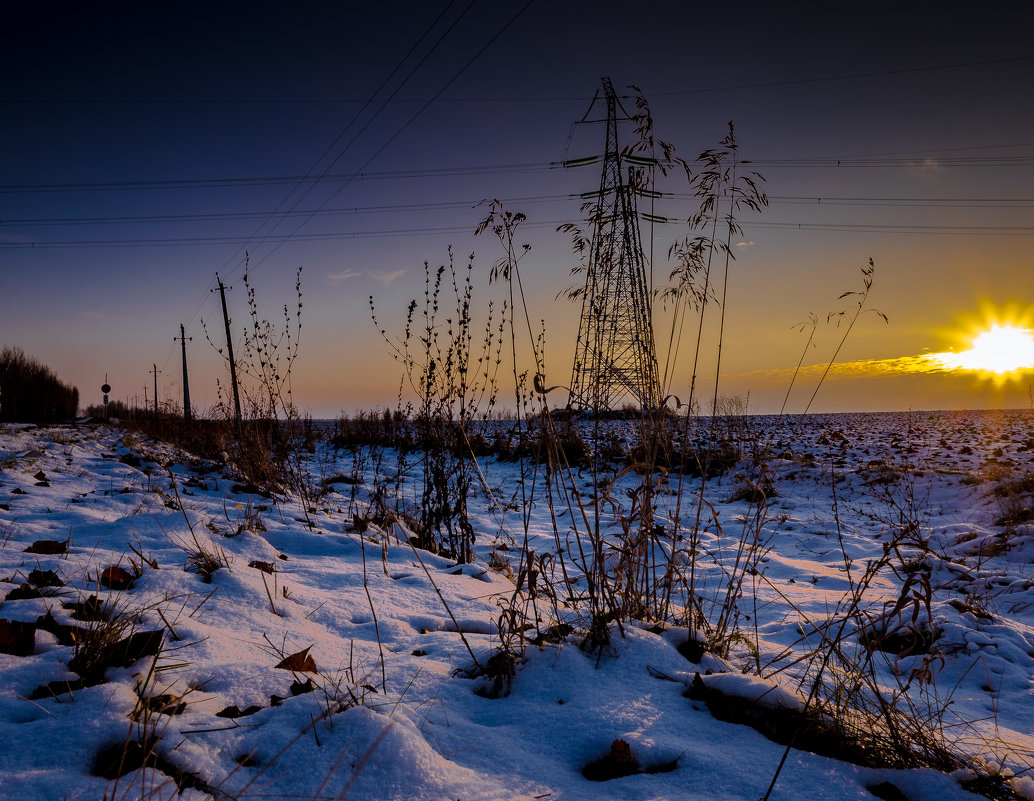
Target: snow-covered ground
{"points": [[325, 662]]}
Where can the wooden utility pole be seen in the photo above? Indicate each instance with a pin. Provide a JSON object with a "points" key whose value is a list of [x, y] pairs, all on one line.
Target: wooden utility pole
{"points": [[156, 371], [186, 387], [229, 350]]}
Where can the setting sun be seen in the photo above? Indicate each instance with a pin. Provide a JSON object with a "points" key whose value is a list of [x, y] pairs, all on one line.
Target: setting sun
{"points": [[1000, 349]]}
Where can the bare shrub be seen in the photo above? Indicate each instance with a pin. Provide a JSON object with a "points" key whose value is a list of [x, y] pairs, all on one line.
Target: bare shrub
{"points": [[454, 379]]}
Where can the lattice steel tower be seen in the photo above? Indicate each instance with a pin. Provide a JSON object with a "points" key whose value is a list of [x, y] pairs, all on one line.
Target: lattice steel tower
{"points": [[615, 359]]}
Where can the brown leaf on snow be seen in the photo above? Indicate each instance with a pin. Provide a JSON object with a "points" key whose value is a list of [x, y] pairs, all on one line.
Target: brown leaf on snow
{"points": [[117, 578], [300, 662]]}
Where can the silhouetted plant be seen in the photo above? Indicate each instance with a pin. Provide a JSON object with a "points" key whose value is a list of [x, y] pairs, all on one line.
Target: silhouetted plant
{"points": [[849, 318], [810, 326], [269, 448], [455, 383]]}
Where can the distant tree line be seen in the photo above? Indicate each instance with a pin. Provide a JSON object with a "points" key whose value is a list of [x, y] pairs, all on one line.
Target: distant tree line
{"points": [[117, 409], [30, 392]]}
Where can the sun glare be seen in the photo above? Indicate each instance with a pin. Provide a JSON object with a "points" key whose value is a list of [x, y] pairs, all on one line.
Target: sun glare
{"points": [[1000, 349]]}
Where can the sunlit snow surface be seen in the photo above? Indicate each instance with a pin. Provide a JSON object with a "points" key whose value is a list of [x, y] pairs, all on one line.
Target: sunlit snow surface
{"points": [[421, 731]]}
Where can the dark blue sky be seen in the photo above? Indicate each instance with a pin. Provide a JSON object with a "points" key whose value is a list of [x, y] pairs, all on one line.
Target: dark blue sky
{"points": [[107, 93]]}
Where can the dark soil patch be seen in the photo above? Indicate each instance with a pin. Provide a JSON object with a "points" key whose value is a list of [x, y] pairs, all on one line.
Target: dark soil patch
{"points": [[500, 670], [94, 658], [161, 704], [620, 762], [342, 479], [92, 609], [233, 711], [52, 689], [960, 605], [66, 634], [48, 547], [555, 633], [23, 592], [17, 638], [251, 489], [805, 731], [887, 791], [994, 787], [617, 763], [901, 642], [45, 578], [692, 649], [118, 759]]}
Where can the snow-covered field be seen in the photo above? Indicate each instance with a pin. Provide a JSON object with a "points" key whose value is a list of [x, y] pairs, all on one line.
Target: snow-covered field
{"points": [[325, 662]]}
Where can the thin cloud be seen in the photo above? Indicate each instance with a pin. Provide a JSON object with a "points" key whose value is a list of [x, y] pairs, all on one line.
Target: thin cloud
{"points": [[857, 369], [744, 245], [388, 278], [341, 276], [929, 363], [926, 167]]}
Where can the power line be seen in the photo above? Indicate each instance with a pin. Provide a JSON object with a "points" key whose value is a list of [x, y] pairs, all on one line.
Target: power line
{"points": [[952, 230], [420, 110], [843, 77], [233, 240], [489, 169], [929, 202], [347, 177], [815, 200], [510, 99], [372, 117], [920, 163], [248, 215], [928, 151], [943, 230], [307, 178], [280, 240]]}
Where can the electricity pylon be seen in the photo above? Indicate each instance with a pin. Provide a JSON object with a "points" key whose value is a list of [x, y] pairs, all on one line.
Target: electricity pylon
{"points": [[615, 357]]}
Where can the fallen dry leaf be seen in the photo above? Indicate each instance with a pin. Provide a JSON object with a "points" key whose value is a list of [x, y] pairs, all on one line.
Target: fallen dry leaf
{"points": [[300, 662]]}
